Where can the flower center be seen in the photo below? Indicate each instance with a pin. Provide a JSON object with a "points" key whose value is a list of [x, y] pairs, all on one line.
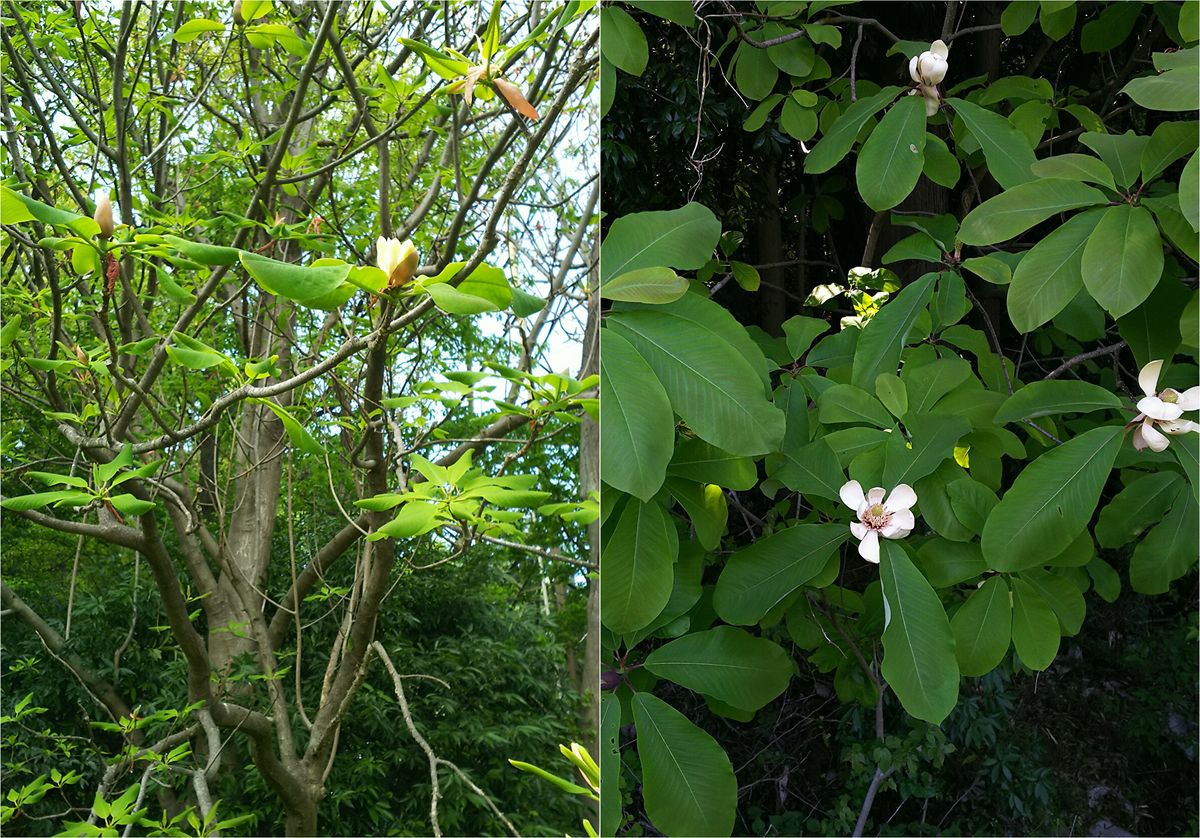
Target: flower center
{"points": [[1169, 396], [875, 517]]}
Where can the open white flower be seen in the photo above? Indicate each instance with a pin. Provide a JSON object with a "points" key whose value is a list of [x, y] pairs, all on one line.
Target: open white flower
{"points": [[927, 70], [1159, 412], [397, 259], [879, 514]]}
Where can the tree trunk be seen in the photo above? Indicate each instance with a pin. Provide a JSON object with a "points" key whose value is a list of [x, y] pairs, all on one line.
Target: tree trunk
{"points": [[589, 481]]}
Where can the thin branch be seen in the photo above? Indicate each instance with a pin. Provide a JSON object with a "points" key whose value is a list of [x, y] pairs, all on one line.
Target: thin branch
{"points": [[1085, 356]]}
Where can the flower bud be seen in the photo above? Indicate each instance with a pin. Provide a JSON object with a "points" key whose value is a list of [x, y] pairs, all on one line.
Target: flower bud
{"points": [[930, 67], [104, 216], [398, 259]]}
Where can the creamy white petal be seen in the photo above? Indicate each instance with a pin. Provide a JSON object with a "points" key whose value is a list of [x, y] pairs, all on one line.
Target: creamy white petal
{"points": [[1179, 426], [851, 494], [1148, 377], [1154, 440], [1156, 408], [932, 103], [859, 530], [902, 497], [933, 69], [904, 519], [940, 49], [1139, 441], [876, 495], [868, 548], [1189, 399], [912, 69]]}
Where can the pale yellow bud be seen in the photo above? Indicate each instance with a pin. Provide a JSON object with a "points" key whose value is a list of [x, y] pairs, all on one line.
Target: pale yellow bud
{"points": [[104, 215]]}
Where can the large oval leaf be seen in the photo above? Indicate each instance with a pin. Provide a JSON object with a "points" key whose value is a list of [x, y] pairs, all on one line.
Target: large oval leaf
{"points": [[1123, 259], [1007, 152], [883, 336], [1050, 274], [710, 383], [918, 646], [892, 157], [1015, 211], [639, 567], [295, 282], [983, 628], [761, 576], [610, 762], [637, 435], [683, 239], [1034, 627], [624, 43], [1169, 550], [840, 138], [1050, 502], [687, 782], [645, 285], [726, 663], [1048, 398], [485, 289]]}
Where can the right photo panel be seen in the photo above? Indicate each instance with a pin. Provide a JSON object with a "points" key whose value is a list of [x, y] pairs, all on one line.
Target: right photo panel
{"points": [[899, 440]]}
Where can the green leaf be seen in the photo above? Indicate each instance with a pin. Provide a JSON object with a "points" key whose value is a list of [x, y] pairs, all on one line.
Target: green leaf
{"points": [[696, 460], [195, 28], [688, 785], [754, 72], [1121, 153], [971, 502], [1049, 398], [1169, 142], [919, 662], [638, 432], [1061, 594], [1105, 580], [305, 285], [1169, 550], [983, 628], [414, 518], [193, 354], [610, 762], [1189, 191], [745, 275], [1013, 212], [265, 35], [676, 11], [705, 505], [1017, 17], [726, 663], [710, 383], [884, 335], [1050, 275], [645, 285], [1008, 155], [299, 436], [933, 438], [683, 239], [624, 43], [1035, 631], [446, 66], [1050, 502], [995, 271], [65, 497], [759, 577], [799, 122], [840, 138], [639, 560], [891, 159], [485, 289], [1137, 506], [801, 331], [928, 383], [1123, 259], [205, 254], [1082, 167], [1174, 90], [15, 208], [1110, 28], [810, 469], [130, 505], [941, 166], [845, 403]]}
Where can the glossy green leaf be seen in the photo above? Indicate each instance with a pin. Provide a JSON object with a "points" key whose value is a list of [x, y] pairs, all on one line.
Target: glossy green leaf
{"points": [[623, 42], [683, 239], [810, 469], [839, 139], [1189, 191], [1050, 502], [754, 72], [1169, 550], [801, 331], [297, 433], [1121, 153], [1008, 155], [295, 282], [933, 438], [1061, 595], [1013, 212], [645, 285], [1082, 167], [688, 785], [726, 663], [697, 460], [1174, 90], [1035, 631], [845, 403], [919, 661], [1050, 275], [1140, 504], [705, 506], [1049, 398], [983, 628], [193, 29], [610, 762], [485, 289], [639, 565], [1169, 142], [759, 577], [414, 518], [891, 159], [1123, 259], [884, 335]]}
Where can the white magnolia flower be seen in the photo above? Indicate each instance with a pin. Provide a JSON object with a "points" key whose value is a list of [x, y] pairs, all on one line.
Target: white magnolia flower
{"points": [[927, 70], [891, 517], [397, 259], [1159, 412], [104, 215]]}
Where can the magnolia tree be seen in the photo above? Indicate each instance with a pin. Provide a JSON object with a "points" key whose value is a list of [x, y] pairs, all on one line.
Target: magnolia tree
{"points": [[334, 239], [918, 476]]}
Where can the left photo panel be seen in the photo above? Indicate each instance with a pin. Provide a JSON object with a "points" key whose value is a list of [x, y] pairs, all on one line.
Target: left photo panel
{"points": [[298, 418]]}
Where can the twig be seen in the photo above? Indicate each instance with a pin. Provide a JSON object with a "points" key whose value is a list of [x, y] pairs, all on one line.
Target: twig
{"points": [[1085, 356]]}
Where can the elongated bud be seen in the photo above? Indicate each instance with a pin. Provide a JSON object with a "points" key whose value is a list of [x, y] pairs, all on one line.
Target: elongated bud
{"points": [[104, 216]]}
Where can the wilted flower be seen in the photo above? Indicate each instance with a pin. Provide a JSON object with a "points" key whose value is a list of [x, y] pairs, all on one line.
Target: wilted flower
{"points": [[1161, 412], [927, 70], [397, 259], [891, 517], [104, 216]]}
